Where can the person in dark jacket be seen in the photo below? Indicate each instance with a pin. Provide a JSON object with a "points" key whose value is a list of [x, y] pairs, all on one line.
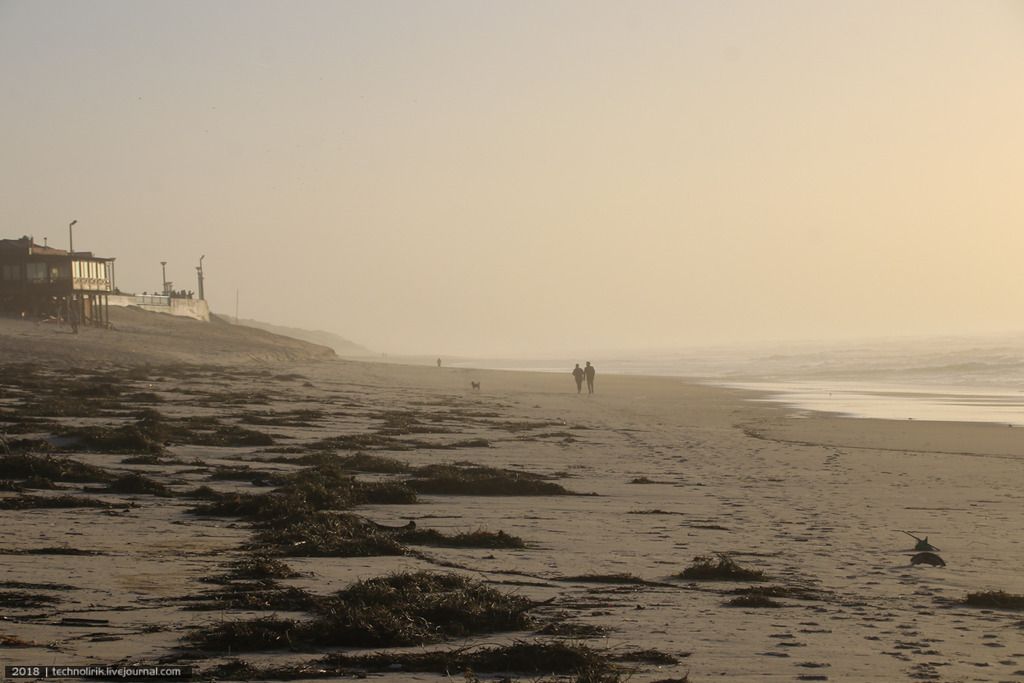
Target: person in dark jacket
{"points": [[589, 371], [577, 374]]}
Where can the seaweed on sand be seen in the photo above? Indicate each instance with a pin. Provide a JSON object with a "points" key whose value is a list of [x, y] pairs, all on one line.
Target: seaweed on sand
{"points": [[304, 493], [573, 629], [24, 599], [241, 474], [40, 483], [147, 459], [752, 600], [254, 635], [151, 431], [326, 534], [651, 656], [64, 406], [27, 466], [617, 579], [15, 641], [357, 442], [137, 483], [255, 596], [401, 609], [129, 438], [472, 539], [230, 435], [301, 417], [538, 659], [356, 462], [720, 567], [532, 658], [50, 551], [255, 568], [364, 462], [386, 442], [403, 422], [795, 592], [476, 480], [38, 502], [995, 600]]}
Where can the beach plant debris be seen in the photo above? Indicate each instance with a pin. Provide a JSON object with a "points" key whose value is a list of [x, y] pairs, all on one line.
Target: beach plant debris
{"points": [[255, 596], [396, 610], [324, 487], [365, 462], [403, 422], [255, 568], [138, 483], [536, 659], [15, 641], [26, 502], [24, 600], [477, 480], [27, 466], [752, 600], [649, 656], [573, 629], [795, 592], [469, 539], [617, 579], [995, 600], [326, 534], [720, 567], [52, 550]]}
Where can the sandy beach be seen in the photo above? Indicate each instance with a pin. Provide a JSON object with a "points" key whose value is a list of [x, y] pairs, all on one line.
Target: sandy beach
{"points": [[677, 470]]}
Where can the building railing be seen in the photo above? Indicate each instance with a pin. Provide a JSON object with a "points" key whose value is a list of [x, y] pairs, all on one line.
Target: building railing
{"points": [[150, 300]]}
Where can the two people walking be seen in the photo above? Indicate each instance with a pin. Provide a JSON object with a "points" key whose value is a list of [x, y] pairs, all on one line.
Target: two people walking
{"points": [[579, 374]]}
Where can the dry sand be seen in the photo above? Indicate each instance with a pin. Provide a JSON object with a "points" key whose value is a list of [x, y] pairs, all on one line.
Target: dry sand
{"points": [[813, 500]]}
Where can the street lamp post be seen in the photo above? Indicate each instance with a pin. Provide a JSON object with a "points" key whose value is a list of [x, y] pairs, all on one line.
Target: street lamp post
{"points": [[163, 266], [199, 273], [72, 304]]}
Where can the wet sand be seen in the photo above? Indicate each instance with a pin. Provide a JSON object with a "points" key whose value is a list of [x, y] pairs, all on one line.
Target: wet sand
{"points": [[680, 470]]}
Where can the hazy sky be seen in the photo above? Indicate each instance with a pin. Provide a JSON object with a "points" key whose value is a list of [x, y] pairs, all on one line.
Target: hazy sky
{"points": [[522, 176]]}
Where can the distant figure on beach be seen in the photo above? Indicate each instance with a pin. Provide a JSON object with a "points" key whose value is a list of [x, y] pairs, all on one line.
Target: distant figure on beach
{"points": [[589, 371], [577, 374], [438, 362], [73, 318]]}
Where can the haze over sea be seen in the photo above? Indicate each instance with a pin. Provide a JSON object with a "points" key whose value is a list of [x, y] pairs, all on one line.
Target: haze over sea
{"points": [[957, 379]]}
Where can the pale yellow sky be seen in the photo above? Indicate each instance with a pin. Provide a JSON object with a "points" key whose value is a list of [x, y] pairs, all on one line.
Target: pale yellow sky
{"points": [[518, 177]]}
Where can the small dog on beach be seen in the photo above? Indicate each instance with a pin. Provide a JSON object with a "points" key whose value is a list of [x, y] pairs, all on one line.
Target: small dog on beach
{"points": [[475, 385], [929, 559]]}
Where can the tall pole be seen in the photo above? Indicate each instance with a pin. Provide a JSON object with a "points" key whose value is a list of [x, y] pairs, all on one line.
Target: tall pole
{"points": [[72, 315], [236, 306], [199, 272], [163, 283]]}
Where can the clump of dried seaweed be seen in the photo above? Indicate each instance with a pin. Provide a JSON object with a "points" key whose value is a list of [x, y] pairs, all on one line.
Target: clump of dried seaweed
{"points": [[477, 480], [720, 567], [995, 600], [396, 610]]}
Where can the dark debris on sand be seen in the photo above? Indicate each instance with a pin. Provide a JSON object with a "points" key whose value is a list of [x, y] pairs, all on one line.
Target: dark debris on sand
{"points": [[995, 600], [477, 480], [720, 567], [397, 610], [537, 659]]}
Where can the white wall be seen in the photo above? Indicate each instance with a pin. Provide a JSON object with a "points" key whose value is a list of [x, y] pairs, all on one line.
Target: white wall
{"points": [[196, 309]]}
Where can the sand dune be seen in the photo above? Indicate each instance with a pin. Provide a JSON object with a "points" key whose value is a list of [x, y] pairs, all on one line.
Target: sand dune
{"points": [[141, 336]]}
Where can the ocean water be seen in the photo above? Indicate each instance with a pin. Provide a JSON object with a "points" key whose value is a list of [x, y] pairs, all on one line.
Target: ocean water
{"points": [[948, 379]]}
